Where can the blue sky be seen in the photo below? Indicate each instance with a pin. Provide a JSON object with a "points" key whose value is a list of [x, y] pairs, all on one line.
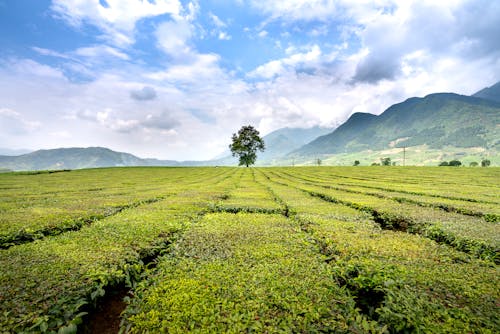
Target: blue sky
{"points": [[173, 79]]}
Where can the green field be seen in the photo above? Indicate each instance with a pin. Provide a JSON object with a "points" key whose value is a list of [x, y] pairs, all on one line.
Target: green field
{"points": [[285, 249]]}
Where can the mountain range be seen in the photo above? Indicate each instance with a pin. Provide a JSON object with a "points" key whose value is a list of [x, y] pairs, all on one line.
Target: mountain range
{"points": [[437, 120], [430, 129]]}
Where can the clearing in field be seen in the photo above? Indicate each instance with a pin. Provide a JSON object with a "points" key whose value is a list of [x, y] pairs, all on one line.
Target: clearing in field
{"points": [[304, 249]]}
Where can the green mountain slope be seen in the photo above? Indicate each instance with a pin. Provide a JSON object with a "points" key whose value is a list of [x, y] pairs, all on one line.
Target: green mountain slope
{"points": [[437, 121], [490, 93]]}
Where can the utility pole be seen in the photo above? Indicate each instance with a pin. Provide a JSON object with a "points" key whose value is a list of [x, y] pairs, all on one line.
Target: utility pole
{"points": [[404, 155]]}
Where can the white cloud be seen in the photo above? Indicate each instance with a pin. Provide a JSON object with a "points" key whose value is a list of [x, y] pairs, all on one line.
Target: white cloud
{"points": [[296, 9], [279, 67], [199, 68], [216, 20], [100, 51], [173, 38], [386, 52], [224, 36], [14, 123], [117, 20], [262, 34]]}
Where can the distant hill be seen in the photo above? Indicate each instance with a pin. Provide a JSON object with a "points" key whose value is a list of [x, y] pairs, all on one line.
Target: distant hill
{"points": [[437, 120], [278, 144], [283, 141], [490, 93], [75, 158]]}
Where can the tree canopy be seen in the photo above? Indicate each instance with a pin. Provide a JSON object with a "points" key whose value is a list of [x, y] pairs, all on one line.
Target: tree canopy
{"points": [[245, 145]]}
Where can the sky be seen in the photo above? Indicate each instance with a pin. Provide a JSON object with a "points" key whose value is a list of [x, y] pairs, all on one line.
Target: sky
{"points": [[173, 79]]}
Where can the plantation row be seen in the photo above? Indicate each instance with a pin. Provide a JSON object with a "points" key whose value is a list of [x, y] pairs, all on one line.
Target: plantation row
{"points": [[46, 285], [265, 250]]}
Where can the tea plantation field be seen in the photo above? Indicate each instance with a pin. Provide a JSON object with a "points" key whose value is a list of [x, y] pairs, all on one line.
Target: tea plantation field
{"points": [[288, 249]]}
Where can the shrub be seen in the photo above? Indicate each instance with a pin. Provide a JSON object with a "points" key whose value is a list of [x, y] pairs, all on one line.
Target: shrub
{"points": [[455, 163], [485, 163]]}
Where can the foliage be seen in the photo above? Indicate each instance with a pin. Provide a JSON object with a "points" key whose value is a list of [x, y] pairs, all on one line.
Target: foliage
{"points": [[473, 164], [245, 145], [444, 163], [304, 249], [404, 282], [385, 161], [356, 163], [45, 285], [485, 163], [239, 273], [455, 163]]}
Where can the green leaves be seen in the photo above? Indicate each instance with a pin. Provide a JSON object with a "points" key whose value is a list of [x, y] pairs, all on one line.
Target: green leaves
{"points": [[276, 250], [246, 144]]}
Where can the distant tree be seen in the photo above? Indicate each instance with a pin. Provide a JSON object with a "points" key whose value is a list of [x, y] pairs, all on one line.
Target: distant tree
{"points": [[444, 163], [455, 163], [318, 162], [473, 164], [394, 163], [375, 164], [485, 163], [356, 162], [385, 161], [245, 145]]}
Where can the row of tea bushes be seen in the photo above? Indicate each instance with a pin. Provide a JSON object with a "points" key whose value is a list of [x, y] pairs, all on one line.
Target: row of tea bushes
{"points": [[402, 281], [45, 285]]}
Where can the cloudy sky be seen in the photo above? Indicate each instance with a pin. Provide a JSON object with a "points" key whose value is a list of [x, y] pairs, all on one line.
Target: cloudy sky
{"points": [[173, 79]]}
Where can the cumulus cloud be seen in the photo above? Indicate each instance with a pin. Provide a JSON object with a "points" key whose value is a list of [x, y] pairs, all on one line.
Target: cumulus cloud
{"points": [[144, 94], [278, 67], [163, 121], [173, 38], [13, 122], [115, 18], [376, 53], [296, 9], [437, 29]]}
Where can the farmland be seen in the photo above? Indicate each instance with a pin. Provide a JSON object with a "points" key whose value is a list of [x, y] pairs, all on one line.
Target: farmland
{"points": [[289, 249]]}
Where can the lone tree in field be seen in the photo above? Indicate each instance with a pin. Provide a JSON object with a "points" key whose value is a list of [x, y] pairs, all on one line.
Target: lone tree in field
{"points": [[246, 144]]}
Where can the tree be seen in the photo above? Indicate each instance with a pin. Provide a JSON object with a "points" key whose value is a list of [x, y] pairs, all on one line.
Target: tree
{"points": [[246, 144], [444, 163], [473, 164], [318, 162], [385, 161], [455, 163], [485, 163], [356, 162]]}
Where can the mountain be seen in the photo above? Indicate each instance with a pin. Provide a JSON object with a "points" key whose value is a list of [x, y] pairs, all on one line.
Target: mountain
{"points": [[74, 158], [283, 141], [437, 120], [490, 93], [278, 144]]}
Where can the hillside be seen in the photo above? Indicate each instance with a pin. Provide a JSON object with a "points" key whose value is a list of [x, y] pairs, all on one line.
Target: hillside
{"points": [[490, 93], [75, 158], [437, 121]]}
